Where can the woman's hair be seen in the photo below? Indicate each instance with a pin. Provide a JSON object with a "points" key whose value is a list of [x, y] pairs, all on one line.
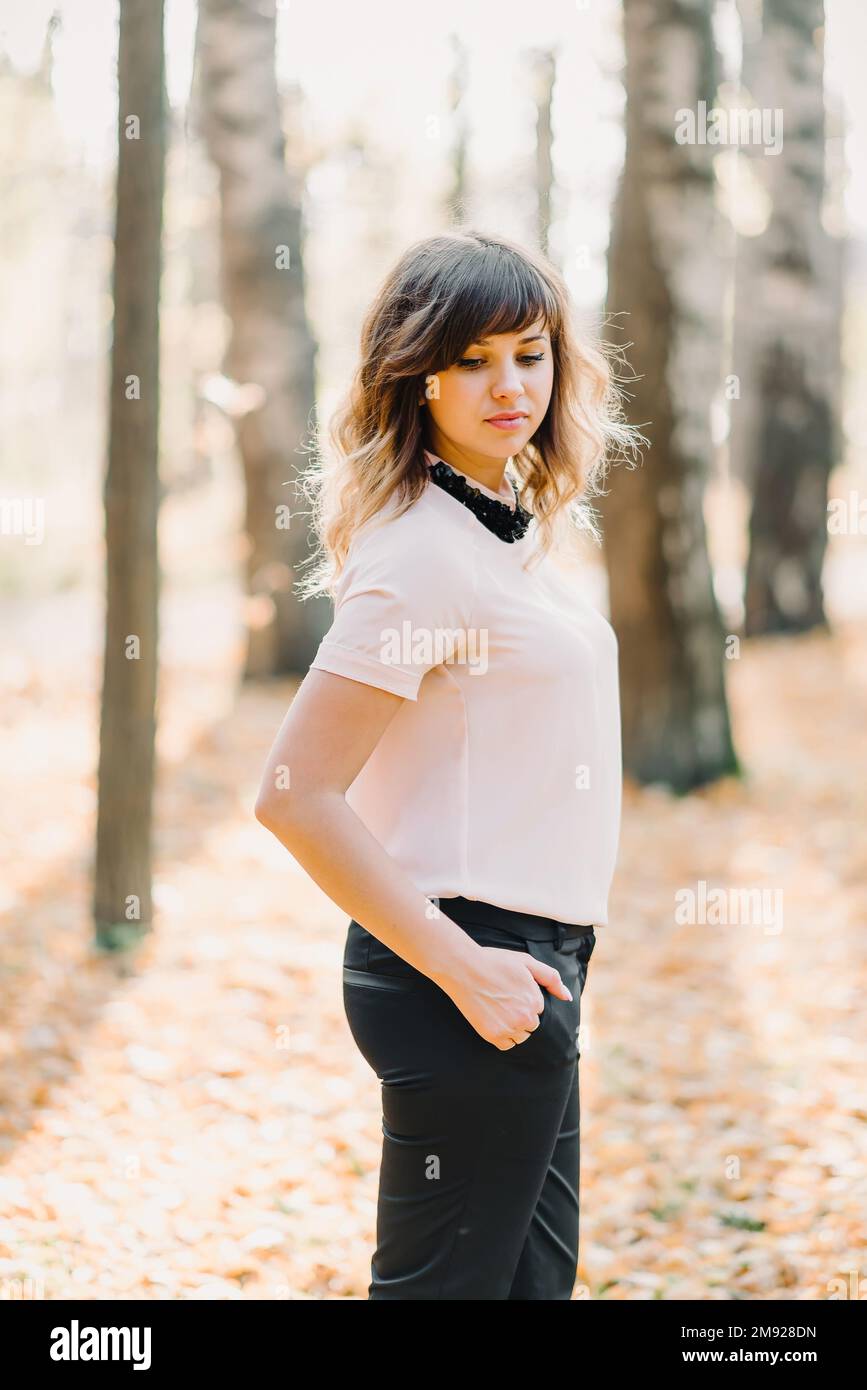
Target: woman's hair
{"points": [[445, 293]]}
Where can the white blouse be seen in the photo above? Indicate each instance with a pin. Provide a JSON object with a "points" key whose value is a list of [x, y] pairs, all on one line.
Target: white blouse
{"points": [[499, 778]]}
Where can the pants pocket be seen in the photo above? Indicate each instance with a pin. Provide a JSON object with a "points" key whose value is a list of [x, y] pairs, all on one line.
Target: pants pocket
{"points": [[561, 1018]]}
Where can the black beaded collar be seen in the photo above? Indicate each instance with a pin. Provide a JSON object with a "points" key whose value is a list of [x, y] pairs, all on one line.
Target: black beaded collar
{"points": [[510, 525]]}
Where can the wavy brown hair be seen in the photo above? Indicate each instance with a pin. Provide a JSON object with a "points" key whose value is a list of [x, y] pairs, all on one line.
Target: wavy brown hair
{"points": [[444, 293]]}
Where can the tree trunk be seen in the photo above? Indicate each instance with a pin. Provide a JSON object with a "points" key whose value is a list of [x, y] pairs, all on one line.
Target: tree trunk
{"points": [[788, 351], [271, 353], [544, 74], [457, 207], [664, 272], [122, 879]]}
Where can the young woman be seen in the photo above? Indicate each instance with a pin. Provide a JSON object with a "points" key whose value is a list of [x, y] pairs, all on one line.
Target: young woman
{"points": [[449, 771]]}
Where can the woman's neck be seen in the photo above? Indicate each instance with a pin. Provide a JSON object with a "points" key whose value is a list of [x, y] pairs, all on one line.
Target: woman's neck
{"points": [[503, 494]]}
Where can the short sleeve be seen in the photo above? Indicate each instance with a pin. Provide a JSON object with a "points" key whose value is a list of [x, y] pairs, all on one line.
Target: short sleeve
{"points": [[403, 605]]}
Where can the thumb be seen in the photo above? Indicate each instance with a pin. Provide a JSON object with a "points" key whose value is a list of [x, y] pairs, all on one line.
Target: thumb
{"points": [[547, 976]]}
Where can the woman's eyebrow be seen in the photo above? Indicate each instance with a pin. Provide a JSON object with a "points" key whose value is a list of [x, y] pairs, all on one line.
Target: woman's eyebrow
{"points": [[533, 338]]}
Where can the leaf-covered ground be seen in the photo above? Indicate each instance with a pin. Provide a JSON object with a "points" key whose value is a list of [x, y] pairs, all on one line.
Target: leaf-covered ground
{"points": [[195, 1121]]}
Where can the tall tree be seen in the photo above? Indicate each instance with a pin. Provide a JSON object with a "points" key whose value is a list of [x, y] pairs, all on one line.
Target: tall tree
{"points": [[122, 879], [271, 353], [787, 338], [544, 69], [457, 211], [663, 276]]}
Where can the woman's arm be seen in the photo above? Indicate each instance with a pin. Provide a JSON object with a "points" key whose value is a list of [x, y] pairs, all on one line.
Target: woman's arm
{"points": [[329, 732]]}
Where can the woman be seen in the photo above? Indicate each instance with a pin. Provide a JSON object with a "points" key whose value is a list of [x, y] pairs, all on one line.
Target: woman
{"points": [[449, 771]]}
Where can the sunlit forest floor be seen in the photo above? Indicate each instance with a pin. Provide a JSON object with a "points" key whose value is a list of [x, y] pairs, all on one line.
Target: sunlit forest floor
{"points": [[196, 1122]]}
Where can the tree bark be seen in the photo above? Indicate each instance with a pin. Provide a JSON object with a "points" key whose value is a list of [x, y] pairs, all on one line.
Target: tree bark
{"points": [[271, 352], [787, 349], [544, 73], [122, 878], [664, 271], [457, 205]]}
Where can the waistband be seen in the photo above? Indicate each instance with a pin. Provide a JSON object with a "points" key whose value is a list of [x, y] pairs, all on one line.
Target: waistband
{"points": [[469, 912]]}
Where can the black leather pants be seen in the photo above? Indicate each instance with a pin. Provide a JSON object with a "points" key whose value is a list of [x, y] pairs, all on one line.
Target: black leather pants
{"points": [[479, 1180]]}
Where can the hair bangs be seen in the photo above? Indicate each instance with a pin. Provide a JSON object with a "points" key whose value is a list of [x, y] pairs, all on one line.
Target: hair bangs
{"points": [[491, 292]]}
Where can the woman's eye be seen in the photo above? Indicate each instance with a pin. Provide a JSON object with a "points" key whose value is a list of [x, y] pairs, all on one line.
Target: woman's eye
{"points": [[471, 363]]}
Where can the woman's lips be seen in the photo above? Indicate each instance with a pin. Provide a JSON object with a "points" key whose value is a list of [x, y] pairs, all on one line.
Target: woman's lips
{"points": [[508, 424]]}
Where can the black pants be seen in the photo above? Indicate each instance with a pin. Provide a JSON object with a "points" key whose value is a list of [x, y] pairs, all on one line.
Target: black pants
{"points": [[478, 1187]]}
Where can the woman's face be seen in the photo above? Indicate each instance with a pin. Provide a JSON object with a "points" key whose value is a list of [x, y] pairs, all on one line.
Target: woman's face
{"points": [[508, 374]]}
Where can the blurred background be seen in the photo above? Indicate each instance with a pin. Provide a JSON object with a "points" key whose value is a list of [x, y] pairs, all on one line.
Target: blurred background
{"points": [[199, 203]]}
